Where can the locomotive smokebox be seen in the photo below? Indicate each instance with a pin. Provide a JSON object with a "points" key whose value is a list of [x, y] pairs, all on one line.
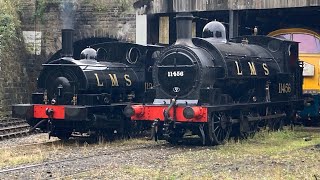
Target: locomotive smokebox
{"points": [[67, 42], [184, 29]]}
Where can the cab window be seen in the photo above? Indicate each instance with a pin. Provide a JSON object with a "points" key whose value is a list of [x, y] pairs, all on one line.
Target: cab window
{"points": [[309, 43]]}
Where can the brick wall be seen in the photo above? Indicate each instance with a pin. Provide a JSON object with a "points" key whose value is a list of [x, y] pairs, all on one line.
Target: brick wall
{"points": [[97, 18], [104, 18], [114, 19]]}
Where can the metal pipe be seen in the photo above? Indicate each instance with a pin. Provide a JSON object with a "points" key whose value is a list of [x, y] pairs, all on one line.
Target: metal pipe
{"points": [[38, 124], [184, 29], [67, 42], [166, 111]]}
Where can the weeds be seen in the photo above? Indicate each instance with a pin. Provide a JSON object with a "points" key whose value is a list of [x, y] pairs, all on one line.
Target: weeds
{"points": [[103, 5], [269, 155], [16, 157]]}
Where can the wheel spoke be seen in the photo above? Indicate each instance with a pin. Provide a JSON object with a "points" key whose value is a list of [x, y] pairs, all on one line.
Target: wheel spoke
{"points": [[219, 129], [219, 134], [215, 129]]}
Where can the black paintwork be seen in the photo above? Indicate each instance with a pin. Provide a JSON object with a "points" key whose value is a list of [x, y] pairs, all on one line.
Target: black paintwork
{"points": [[67, 42], [91, 79], [219, 72], [87, 88], [209, 65]]}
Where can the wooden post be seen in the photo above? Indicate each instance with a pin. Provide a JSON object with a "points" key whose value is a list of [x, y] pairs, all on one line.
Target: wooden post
{"points": [[233, 23]]}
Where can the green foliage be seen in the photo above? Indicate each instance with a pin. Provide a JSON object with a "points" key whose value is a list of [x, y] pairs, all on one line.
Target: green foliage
{"points": [[9, 42], [42, 6], [125, 5], [9, 25], [105, 5]]}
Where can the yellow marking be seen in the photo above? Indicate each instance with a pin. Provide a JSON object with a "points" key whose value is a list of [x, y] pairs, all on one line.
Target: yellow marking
{"points": [[238, 68], [266, 70], [98, 81], [128, 80], [253, 71], [114, 80], [284, 88]]}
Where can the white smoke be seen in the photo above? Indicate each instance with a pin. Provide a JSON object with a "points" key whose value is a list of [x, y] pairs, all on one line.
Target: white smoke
{"points": [[68, 10]]}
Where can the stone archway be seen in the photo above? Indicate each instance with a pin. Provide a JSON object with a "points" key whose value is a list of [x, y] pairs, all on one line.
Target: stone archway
{"points": [[100, 33], [82, 43], [84, 39]]}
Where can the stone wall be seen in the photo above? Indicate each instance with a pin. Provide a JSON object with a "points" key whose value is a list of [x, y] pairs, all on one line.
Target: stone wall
{"points": [[114, 19], [14, 77], [96, 18]]}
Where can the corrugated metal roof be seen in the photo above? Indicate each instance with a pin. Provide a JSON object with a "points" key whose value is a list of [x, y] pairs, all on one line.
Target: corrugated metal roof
{"points": [[164, 6]]}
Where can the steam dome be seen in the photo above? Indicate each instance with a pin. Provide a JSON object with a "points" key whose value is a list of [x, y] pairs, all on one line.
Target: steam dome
{"points": [[215, 30], [88, 53]]}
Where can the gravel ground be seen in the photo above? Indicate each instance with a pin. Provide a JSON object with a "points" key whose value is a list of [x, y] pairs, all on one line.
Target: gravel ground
{"points": [[288, 158], [34, 138], [68, 168], [81, 157]]}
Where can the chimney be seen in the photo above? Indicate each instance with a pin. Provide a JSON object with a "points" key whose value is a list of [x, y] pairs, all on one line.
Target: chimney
{"points": [[184, 29], [67, 42]]}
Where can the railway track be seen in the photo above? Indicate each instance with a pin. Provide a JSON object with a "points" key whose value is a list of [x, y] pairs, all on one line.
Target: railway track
{"points": [[13, 127], [82, 158], [307, 129]]}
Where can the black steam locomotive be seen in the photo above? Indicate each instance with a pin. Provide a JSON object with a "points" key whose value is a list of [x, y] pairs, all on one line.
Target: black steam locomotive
{"points": [[87, 96], [213, 88]]}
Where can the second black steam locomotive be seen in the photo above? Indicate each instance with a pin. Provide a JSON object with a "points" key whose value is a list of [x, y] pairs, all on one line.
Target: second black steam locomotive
{"points": [[213, 87], [87, 96]]}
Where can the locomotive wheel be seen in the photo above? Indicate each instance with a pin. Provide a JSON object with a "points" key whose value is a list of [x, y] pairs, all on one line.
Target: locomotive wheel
{"points": [[64, 135], [253, 128], [174, 140], [276, 124], [176, 136], [104, 135], [219, 129]]}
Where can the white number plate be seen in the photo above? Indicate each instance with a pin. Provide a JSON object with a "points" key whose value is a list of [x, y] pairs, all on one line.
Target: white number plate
{"points": [[175, 73]]}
